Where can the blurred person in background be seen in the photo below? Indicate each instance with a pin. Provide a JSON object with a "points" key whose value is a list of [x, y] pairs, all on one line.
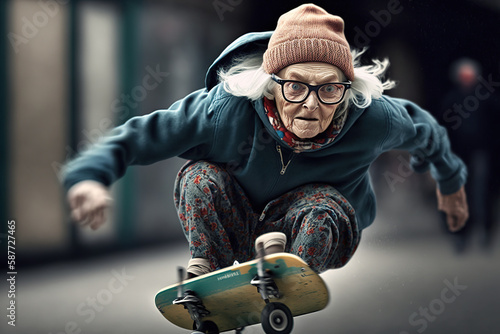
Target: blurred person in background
{"points": [[279, 144], [468, 112]]}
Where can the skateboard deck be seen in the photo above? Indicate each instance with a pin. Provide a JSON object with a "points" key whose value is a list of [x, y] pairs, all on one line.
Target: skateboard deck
{"points": [[234, 303]]}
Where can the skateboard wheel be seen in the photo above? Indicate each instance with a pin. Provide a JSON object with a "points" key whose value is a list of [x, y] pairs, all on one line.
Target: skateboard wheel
{"points": [[206, 327], [276, 318]]}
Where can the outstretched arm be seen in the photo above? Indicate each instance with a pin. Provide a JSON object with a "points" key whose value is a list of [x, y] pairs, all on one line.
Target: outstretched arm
{"points": [[186, 129], [427, 141]]}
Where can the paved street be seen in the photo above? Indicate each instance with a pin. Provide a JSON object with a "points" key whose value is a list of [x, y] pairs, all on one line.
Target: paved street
{"points": [[404, 279]]}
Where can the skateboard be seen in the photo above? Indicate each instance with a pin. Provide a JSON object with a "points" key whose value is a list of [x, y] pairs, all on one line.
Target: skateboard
{"points": [[270, 290]]}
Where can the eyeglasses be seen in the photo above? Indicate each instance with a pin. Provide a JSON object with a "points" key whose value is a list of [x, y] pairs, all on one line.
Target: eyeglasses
{"points": [[297, 92]]}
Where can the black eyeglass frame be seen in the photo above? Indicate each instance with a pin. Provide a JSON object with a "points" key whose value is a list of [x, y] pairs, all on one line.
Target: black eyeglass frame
{"points": [[311, 88]]}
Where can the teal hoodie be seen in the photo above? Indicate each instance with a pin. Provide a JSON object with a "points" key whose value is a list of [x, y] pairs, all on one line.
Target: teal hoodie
{"points": [[211, 124]]}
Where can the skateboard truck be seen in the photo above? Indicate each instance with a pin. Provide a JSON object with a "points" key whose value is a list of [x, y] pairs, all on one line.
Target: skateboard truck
{"points": [[276, 318], [264, 280], [195, 307]]}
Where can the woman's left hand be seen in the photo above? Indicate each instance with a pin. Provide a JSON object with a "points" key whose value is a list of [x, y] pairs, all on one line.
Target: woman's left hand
{"points": [[456, 208]]}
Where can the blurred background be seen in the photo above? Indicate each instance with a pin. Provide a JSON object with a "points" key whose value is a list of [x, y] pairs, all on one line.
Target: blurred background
{"points": [[72, 70]]}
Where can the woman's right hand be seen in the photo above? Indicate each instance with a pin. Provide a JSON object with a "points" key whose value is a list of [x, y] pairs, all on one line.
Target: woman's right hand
{"points": [[90, 202]]}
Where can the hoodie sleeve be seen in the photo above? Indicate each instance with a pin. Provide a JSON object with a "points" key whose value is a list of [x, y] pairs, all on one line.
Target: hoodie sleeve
{"points": [[415, 130], [186, 129]]}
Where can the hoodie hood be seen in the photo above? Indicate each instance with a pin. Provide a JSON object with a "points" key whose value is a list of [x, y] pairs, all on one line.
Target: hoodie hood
{"points": [[246, 44]]}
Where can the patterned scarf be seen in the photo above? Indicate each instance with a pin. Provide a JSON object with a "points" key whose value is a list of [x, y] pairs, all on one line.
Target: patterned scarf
{"points": [[301, 145]]}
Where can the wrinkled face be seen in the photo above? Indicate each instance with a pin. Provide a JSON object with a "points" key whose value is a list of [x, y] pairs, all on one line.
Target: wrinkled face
{"points": [[311, 117]]}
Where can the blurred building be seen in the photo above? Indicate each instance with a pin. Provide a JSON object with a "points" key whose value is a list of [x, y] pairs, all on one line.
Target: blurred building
{"points": [[75, 69]]}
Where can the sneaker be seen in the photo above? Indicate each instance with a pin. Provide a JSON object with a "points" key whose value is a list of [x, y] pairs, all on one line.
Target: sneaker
{"points": [[272, 243], [197, 267]]}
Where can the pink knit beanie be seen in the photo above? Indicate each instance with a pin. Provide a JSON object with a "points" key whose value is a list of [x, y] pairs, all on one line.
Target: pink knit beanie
{"points": [[308, 34]]}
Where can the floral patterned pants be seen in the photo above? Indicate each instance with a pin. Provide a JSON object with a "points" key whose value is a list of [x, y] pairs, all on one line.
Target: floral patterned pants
{"points": [[221, 225]]}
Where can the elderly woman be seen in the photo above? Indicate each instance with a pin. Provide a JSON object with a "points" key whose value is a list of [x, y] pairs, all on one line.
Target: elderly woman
{"points": [[279, 145]]}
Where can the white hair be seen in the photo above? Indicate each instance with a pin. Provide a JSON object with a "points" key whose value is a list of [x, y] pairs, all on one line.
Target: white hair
{"points": [[247, 78]]}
